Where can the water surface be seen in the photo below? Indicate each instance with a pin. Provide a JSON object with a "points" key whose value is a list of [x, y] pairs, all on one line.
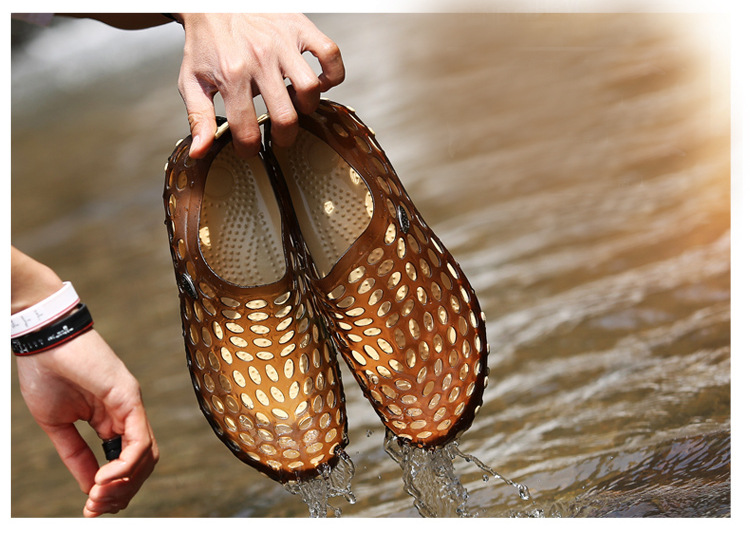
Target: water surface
{"points": [[578, 168]]}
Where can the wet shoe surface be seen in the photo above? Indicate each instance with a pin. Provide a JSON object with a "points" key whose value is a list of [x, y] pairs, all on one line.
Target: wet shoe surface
{"points": [[402, 313], [262, 367]]}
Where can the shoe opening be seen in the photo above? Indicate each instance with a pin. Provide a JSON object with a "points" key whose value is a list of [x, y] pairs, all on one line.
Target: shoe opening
{"points": [[240, 222], [332, 203]]}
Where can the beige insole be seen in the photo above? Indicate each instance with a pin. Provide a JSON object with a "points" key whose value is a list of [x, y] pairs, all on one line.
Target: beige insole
{"points": [[332, 203], [240, 222]]}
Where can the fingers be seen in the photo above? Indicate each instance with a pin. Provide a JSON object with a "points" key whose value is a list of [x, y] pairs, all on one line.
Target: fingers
{"points": [[201, 116], [242, 118], [329, 58], [75, 454], [118, 481], [138, 448], [110, 498], [115, 495], [280, 109], [241, 56]]}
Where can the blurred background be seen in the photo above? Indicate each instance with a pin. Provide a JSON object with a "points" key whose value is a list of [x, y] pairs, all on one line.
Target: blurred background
{"points": [[576, 165]]}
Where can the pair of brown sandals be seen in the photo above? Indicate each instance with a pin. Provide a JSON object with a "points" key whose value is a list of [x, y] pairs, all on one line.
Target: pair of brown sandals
{"points": [[290, 257]]}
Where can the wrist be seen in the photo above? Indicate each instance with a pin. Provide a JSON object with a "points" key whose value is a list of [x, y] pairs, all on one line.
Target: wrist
{"points": [[73, 323], [31, 282], [45, 312]]}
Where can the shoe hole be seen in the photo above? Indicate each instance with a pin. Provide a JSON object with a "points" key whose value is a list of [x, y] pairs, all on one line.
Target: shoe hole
{"points": [[356, 275], [366, 286], [401, 248], [244, 356], [337, 292], [362, 144], [385, 267], [392, 320], [429, 322], [182, 182], [381, 168], [390, 206], [437, 293], [375, 297], [413, 244], [411, 272], [294, 390], [390, 234], [239, 379], [402, 292], [375, 256], [394, 279], [385, 346], [386, 188]]}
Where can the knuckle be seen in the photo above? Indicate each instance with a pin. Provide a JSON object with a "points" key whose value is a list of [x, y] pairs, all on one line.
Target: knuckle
{"points": [[246, 143], [308, 84], [246, 135], [285, 118], [260, 50], [194, 120], [329, 49], [232, 71]]}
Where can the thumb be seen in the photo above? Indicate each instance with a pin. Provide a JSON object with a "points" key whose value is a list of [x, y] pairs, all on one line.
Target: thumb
{"points": [[75, 454]]}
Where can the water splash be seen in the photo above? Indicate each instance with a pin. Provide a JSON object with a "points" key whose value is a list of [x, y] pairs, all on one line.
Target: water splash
{"points": [[430, 479], [329, 483], [523, 490]]}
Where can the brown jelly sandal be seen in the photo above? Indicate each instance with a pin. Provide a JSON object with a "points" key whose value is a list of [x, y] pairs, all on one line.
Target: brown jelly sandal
{"points": [[401, 311], [263, 369]]}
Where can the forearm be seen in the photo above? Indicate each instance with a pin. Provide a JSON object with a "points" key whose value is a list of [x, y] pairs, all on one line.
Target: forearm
{"points": [[125, 21], [30, 281]]}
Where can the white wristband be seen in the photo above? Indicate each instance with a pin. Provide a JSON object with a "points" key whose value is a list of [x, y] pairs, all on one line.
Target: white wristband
{"points": [[44, 312]]}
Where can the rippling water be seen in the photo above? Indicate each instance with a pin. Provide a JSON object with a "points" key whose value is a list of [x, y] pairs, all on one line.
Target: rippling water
{"points": [[577, 166]]}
